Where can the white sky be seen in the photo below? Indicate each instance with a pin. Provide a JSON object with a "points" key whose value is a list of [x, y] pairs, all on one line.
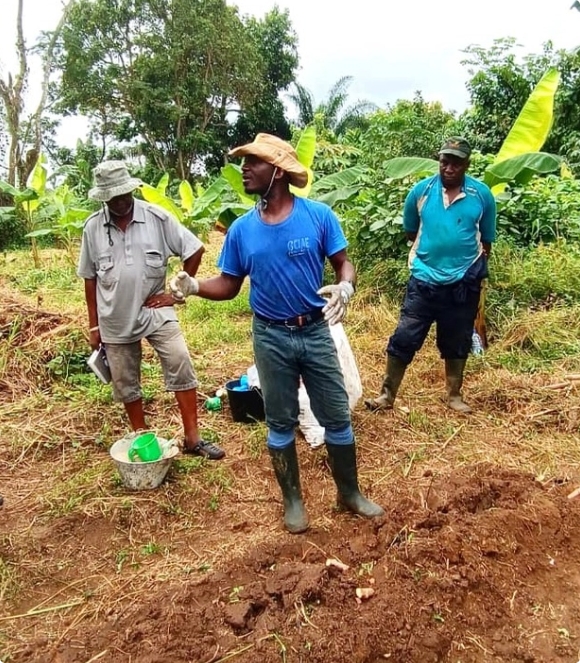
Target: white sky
{"points": [[390, 48]]}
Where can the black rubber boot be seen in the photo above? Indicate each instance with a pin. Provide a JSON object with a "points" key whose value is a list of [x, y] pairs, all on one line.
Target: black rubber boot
{"points": [[285, 464], [453, 381], [342, 460], [394, 374]]}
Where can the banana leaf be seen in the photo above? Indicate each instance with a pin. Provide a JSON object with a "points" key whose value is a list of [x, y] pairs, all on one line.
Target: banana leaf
{"points": [[25, 196], [229, 212], [8, 188], [522, 168], [233, 174], [40, 232], [212, 194], [186, 195], [533, 124], [306, 146], [343, 178], [163, 183], [37, 178], [305, 151], [36, 182], [152, 195], [401, 167], [331, 198]]}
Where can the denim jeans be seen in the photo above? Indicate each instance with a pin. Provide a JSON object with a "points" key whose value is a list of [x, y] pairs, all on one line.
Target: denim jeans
{"points": [[453, 308], [285, 354]]}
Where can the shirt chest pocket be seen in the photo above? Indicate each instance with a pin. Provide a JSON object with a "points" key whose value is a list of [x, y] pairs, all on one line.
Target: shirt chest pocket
{"points": [[154, 265], [106, 270]]}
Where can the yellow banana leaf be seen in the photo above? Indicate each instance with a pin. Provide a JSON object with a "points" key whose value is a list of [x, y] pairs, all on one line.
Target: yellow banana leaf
{"points": [[37, 182], [186, 195], [305, 151], [533, 124], [306, 147]]}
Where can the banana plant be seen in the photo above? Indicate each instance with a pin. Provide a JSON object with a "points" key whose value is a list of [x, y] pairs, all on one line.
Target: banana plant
{"points": [[64, 218], [47, 211], [518, 159], [28, 200], [225, 199], [197, 211], [530, 130]]}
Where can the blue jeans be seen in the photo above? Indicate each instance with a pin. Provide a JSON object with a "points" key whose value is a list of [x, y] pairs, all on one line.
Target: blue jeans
{"points": [[453, 308], [285, 354]]}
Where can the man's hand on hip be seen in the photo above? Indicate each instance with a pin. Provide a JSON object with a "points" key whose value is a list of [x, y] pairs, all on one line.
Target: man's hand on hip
{"points": [[183, 285], [338, 297]]}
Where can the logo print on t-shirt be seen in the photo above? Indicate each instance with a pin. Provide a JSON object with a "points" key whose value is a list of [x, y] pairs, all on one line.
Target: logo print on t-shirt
{"points": [[298, 247]]}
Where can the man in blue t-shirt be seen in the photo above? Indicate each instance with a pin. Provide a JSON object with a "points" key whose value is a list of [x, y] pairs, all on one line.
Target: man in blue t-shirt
{"points": [[282, 245], [450, 218]]}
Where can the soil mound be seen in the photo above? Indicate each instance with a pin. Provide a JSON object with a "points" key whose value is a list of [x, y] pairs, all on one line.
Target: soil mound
{"points": [[480, 565]]}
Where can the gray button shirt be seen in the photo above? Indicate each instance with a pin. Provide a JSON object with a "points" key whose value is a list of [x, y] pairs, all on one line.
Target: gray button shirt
{"points": [[131, 267]]}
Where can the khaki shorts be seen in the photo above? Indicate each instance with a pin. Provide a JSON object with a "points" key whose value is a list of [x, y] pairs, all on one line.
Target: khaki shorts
{"points": [[125, 363]]}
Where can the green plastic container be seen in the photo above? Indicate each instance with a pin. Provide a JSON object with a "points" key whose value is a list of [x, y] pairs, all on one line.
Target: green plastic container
{"points": [[145, 448]]}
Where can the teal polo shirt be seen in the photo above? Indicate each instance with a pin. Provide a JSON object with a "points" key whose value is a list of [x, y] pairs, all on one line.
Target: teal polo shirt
{"points": [[450, 237]]}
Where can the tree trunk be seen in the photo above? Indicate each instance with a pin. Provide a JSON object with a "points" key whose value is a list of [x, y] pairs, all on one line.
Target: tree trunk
{"points": [[11, 95], [11, 90]]}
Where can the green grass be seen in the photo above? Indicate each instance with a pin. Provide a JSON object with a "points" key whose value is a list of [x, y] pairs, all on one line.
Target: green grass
{"points": [[8, 580], [75, 489], [56, 433]]}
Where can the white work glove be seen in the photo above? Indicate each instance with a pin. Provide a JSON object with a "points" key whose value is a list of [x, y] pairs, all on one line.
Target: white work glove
{"points": [[183, 285], [338, 297]]}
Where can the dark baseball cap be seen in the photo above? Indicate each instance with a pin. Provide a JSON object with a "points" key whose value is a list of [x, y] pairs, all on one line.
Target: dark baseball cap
{"points": [[457, 146]]}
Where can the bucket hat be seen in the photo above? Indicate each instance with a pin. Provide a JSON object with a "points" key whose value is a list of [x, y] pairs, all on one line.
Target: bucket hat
{"points": [[112, 179], [277, 152]]}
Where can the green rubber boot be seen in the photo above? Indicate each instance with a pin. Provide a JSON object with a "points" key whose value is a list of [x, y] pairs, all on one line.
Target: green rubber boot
{"points": [[394, 374], [285, 464], [342, 461], [453, 381]]}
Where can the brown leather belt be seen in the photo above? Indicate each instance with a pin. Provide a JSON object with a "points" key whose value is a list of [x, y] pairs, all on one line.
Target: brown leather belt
{"points": [[298, 321]]}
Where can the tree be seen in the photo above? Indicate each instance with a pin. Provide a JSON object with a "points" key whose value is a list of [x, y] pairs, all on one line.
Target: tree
{"points": [[331, 116], [408, 128], [276, 43], [25, 135], [11, 92], [163, 73]]}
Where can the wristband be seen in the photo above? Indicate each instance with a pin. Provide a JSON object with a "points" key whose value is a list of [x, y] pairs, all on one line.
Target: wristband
{"points": [[92, 329]]}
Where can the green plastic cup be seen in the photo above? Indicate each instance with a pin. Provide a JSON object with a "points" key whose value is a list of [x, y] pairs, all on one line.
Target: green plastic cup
{"points": [[145, 448]]}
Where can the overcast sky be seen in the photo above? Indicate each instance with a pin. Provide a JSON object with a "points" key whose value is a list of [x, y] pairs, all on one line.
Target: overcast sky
{"points": [[390, 48]]}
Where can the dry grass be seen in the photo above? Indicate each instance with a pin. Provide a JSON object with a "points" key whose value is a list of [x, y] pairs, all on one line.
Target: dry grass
{"points": [[76, 546]]}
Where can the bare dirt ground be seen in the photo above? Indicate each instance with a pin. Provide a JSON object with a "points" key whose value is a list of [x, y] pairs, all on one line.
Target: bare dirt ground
{"points": [[477, 559]]}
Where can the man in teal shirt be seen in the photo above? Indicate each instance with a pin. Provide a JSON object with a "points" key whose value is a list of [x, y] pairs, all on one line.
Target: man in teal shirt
{"points": [[451, 220]]}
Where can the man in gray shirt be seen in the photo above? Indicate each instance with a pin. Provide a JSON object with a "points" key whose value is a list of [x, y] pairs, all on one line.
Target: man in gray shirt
{"points": [[125, 250]]}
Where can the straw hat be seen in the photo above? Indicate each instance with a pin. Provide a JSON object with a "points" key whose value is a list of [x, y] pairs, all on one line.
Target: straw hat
{"points": [[277, 152], [112, 179]]}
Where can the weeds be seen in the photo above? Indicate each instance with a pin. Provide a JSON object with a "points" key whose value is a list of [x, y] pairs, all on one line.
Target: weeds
{"points": [[57, 423]]}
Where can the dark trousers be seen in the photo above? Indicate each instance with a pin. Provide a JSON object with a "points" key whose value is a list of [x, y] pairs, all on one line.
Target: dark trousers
{"points": [[453, 308]]}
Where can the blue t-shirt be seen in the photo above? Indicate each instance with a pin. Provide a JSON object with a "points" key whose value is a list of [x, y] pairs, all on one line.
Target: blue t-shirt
{"points": [[449, 236], [285, 261]]}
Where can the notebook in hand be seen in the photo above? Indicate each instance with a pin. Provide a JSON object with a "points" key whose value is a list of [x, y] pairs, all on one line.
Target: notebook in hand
{"points": [[97, 362]]}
